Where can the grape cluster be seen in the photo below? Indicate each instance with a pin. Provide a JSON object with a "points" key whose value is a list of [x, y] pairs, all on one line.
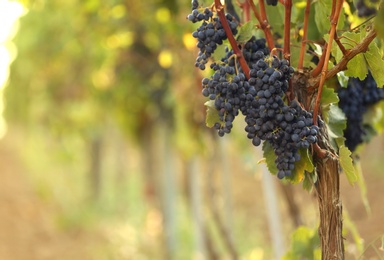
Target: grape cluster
{"points": [[364, 10], [229, 93], [354, 101], [229, 87], [259, 97], [210, 34], [272, 2], [286, 127]]}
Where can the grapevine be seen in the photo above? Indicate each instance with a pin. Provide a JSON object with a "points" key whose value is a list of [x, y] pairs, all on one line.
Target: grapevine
{"points": [[260, 98], [293, 113]]}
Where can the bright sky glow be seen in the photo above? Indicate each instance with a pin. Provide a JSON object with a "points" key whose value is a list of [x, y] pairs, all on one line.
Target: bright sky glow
{"points": [[9, 14]]}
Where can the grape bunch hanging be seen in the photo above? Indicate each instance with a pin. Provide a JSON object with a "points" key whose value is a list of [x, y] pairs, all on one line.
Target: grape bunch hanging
{"points": [[355, 99], [259, 96]]}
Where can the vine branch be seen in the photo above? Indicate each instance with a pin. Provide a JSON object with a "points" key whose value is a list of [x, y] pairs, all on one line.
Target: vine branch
{"points": [[220, 11], [342, 65], [307, 11], [287, 29], [263, 22], [334, 20]]}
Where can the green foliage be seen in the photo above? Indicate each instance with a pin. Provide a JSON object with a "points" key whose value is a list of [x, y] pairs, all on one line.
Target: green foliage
{"points": [[301, 167], [356, 67], [375, 61], [246, 32], [212, 116], [305, 244], [347, 164], [332, 114], [270, 157], [305, 165]]}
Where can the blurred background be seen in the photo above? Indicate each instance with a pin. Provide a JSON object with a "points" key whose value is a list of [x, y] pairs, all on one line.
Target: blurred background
{"points": [[104, 152]]}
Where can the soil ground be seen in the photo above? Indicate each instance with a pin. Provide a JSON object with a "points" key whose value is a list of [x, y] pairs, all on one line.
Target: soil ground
{"points": [[28, 231], [27, 228]]}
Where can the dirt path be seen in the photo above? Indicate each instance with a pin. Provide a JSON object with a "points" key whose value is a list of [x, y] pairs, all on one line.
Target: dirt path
{"points": [[27, 229]]}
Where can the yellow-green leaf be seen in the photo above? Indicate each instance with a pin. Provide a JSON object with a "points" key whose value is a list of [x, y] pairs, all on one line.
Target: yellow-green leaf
{"points": [[347, 164], [212, 115]]}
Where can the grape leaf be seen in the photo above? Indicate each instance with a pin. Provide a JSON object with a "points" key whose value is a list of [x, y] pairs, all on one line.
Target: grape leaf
{"points": [[343, 80], [347, 164], [295, 54], [276, 21], [357, 67], [303, 165], [220, 51], [375, 63], [328, 96], [362, 185], [245, 32], [379, 122], [212, 114], [336, 120], [270, 157], [379, 25], [322, 10], [309, 180], [313, 32]]}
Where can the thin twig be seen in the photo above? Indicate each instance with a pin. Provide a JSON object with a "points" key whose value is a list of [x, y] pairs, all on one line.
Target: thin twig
{"points": [[287, 29], [300, 66], [334, 21], [263, 22], [341, 46]]}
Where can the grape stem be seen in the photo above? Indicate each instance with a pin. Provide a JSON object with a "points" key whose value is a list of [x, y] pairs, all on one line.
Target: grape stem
{"points": [[341, 46], [263, 22], [220, 11], [287, 41], [246, 11], [334, 20], [300, 65], [287, 29]]}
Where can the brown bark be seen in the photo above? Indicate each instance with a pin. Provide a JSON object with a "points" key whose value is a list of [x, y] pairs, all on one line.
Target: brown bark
{"points": [[328, 183], [330, 207]]}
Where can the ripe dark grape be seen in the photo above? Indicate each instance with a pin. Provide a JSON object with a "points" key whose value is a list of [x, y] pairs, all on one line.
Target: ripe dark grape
{"points": [[210, 34], [354, 101], [363, 9]]}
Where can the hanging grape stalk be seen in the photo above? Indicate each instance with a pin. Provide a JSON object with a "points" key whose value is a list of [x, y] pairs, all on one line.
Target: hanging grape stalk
{"points": [[287, 77]]}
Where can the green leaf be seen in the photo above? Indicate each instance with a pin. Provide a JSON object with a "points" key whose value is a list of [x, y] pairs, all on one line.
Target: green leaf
{"points": [[309, 179], [343, 80], [378, 123], [304, 165], [336, 120], [220, 51], [379, 25], [245, 32], [362, 185], [328, 96], [212, 115], [347, 164], [304, 245], [357, 67], [375, 63], [322, 11], [295, 54], [313, 32], [270, 157]]}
